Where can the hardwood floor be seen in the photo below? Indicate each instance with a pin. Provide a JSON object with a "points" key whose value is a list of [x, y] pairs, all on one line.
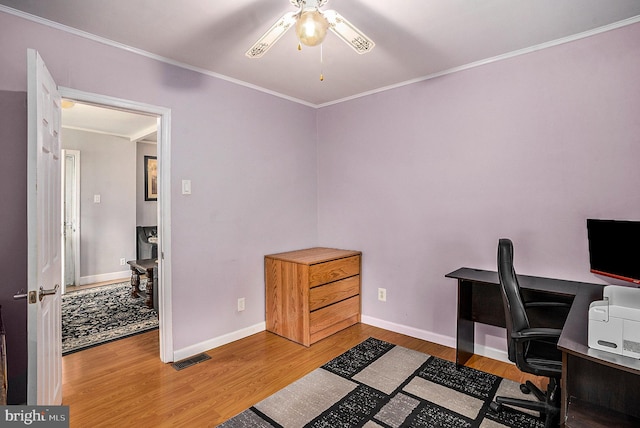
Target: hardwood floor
{"points": [[124, 383]]}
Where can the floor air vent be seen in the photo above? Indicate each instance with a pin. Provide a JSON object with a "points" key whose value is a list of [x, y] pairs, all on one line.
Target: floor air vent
{"points": [[188, 362]]}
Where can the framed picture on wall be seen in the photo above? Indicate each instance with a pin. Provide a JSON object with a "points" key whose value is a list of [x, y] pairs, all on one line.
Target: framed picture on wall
{"points": [[150, 178]]}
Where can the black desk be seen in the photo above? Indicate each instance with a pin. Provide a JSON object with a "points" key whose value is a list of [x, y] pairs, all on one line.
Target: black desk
{"points": [[480, 300], [595, 381], [589, 377]]}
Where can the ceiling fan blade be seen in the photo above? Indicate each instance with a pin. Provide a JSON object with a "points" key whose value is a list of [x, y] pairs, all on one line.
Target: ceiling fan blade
{"points": [[347, 32], [272, 35], [311, 4]]}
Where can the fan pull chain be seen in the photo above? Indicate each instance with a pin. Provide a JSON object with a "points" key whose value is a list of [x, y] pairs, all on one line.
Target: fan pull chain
{"points": [[321, 63]]}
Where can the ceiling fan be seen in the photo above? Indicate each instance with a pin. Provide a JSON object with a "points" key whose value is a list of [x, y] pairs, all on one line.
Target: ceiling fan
{"points": [[311, 27]]}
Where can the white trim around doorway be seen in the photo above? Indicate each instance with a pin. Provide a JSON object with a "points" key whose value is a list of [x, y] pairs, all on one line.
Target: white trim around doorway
{"points": [[164, 202]]}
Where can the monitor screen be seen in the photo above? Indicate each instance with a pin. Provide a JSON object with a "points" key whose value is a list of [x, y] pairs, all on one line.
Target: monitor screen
{"points": [[614, 248]]}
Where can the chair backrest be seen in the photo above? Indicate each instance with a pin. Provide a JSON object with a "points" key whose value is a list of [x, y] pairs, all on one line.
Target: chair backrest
{"points": [[515, 314], [145, 249], [144, 232]]}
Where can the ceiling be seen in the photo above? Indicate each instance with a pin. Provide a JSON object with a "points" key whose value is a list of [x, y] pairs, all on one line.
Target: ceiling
{"points": [[415, 39], [132, 126]]}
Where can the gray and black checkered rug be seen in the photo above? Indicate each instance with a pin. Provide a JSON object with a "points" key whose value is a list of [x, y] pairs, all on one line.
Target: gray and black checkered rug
{"points": [[377, 384]]}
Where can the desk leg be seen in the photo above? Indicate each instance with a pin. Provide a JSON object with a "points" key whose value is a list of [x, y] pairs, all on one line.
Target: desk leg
{"points": [[564, 402], [465, 334], [135, 282], [150, 285]]}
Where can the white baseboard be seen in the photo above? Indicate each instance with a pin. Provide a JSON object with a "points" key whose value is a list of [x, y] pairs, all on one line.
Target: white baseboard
{"points": [[485, 351], [190, 351], [493, 353], [429, 336], [91, 279]]}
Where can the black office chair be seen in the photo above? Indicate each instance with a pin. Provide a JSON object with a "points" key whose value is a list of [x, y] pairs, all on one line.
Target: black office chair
{"points": [[144, 248], [533, 350]]}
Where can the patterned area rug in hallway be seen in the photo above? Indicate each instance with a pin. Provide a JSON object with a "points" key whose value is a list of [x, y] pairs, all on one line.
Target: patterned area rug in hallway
{"points": [[99, 315], [377, 384]]}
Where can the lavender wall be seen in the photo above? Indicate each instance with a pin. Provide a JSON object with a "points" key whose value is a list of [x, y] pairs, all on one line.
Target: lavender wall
{"points": [[13, 238], [425, 178], [253, 179]]}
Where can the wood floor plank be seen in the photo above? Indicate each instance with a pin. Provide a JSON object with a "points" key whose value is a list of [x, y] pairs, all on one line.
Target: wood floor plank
{"points": [[124, 384]]}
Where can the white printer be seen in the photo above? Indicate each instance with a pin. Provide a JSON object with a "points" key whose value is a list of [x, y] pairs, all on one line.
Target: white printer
{"points": [[614, 323]]}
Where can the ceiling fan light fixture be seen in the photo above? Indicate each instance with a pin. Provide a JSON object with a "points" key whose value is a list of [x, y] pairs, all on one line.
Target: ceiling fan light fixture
{"points": [[311, 27]]}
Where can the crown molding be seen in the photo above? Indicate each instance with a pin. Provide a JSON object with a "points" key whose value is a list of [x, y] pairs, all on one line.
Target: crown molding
{"points": [[508, 55], [112, 43]]}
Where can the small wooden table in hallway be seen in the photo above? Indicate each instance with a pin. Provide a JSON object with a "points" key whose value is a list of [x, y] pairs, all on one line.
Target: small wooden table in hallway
{"points": [[138, 267]]}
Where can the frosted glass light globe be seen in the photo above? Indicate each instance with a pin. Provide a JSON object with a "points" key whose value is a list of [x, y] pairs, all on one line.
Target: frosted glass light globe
{"points": [[311, 27]]}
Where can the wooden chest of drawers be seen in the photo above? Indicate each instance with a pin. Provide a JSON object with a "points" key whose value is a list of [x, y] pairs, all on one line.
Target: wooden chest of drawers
{"points": [[312, 293]]}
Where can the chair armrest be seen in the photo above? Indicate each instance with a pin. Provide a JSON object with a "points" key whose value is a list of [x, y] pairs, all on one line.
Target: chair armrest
{"points": [[547, 305], [536, 334]]}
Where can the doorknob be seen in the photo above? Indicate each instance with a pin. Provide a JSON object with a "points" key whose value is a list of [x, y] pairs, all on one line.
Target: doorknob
{"points": [[20, 295], [50, 292], [31, 295]]}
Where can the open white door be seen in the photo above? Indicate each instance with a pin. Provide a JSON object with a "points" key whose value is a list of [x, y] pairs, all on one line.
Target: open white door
{"points": [[44, 228]]}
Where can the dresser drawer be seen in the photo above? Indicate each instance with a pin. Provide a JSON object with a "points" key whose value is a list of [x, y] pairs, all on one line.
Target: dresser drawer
{"points": [[328, 316], [327, 294], [335, 270]]}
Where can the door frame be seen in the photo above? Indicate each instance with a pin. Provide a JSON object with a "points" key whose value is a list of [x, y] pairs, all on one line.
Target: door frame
{"points": [[76, 214], [164, 202]]}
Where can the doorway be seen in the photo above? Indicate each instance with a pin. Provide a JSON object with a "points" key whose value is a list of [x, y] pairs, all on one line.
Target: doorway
{"points": [[162, 121]]}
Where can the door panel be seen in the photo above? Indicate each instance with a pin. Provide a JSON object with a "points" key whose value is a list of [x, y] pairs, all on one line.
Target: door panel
{"points": [[44, 375]]}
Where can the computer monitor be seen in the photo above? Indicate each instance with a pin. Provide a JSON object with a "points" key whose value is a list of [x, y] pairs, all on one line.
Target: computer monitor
{"points": [[614, 248]]}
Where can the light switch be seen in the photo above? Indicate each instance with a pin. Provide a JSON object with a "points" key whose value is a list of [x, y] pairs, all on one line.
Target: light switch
{"points": [[96, 199], [186, 187]]}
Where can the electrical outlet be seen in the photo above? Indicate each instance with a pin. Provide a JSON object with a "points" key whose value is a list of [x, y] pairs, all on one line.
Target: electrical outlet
{"points": [[123, 261], [241, 304], [382, 294]]}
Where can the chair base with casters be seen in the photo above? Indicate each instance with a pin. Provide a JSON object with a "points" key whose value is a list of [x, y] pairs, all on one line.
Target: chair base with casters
{"points": [[548, 403]]}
